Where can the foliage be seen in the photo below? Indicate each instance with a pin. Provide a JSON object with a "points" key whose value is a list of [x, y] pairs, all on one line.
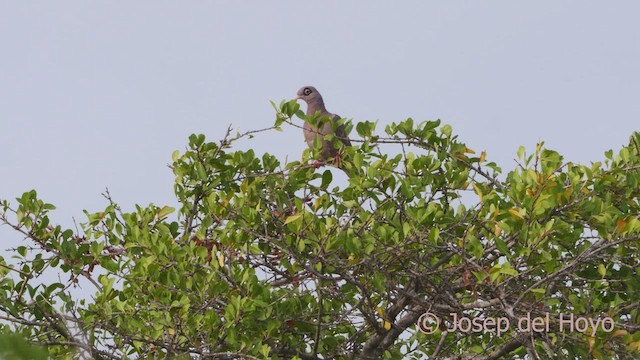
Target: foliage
{"points": [[14, 347], [272, 260]]}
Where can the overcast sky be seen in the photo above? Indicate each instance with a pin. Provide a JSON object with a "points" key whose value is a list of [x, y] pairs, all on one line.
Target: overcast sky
{"points": [[99, 94]]}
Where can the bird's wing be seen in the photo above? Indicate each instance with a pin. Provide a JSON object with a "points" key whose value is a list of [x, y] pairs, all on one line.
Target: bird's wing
{"points": [[310, 134]]}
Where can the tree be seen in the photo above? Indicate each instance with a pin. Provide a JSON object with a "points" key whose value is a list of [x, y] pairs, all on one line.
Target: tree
{"points": [[271, 260]]}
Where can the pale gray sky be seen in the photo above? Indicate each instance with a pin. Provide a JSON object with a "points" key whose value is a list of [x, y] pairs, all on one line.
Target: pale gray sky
{"points": [[98, 94]]}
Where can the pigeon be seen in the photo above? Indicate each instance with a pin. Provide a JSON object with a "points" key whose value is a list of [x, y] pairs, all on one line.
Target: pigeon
{"points": [[315, 104]]}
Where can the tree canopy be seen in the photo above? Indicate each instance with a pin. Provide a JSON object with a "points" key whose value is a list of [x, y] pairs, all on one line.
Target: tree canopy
{"points": [[265, 259]]}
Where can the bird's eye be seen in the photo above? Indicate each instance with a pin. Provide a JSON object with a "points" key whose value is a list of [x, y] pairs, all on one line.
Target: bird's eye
{"points": [[307, 91]]}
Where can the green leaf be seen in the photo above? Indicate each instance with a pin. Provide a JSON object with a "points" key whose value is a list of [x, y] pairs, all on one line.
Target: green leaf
{"points": [[166, 210], [446, 130], [379, 281], [202, 174], [350, 203], [602, 270], [501, 246], [326, 179], [13, 346], [22, 250], [507, 270], [106, 282]]}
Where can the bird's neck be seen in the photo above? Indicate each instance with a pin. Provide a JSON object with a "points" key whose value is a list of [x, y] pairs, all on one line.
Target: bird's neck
{"points": [[314, 106]]}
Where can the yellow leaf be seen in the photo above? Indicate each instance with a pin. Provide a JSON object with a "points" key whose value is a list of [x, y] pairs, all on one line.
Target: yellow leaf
{"points": [[620, 225], [221, 260], [225, 202], [620, 333], [380, 311], [634, 345], [292, 218], [477, 190], [387, 325], [515, 212], [568, 193], [171, 331], [483, 156], [497, 230], [591, 341], [468, 151]]}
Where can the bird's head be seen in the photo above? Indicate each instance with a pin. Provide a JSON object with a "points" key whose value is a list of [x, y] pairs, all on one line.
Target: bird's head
{"points": [[309, 94]]}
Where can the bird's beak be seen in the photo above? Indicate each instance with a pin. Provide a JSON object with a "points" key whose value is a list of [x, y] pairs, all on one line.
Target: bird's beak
{"points": [[297, 97]]}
